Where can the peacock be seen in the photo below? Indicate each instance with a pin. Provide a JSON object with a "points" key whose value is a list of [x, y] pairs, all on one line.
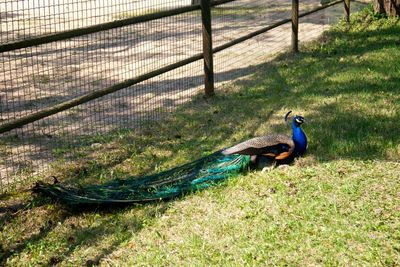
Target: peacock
{"points": [[280, 148], [196, 175]]}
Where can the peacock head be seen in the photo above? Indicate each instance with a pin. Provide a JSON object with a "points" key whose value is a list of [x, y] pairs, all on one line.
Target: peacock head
{"points": [[296, 121]]}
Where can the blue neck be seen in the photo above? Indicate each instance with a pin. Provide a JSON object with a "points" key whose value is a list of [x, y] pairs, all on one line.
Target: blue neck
{"points": [[299, 139]]}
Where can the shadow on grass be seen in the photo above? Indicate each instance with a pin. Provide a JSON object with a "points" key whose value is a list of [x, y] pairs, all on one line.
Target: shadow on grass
{"points": [[62, 230]]}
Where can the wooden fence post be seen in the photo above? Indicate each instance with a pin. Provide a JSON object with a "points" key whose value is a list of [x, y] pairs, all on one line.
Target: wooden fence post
{"points": [[347, 10], [207, 48], [295, 26]]}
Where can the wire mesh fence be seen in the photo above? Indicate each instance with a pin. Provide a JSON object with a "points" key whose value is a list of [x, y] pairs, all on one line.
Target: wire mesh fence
{"points": [[38, 77], [27, 19]]}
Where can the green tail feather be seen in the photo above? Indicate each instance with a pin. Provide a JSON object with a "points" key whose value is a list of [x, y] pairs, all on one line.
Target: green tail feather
{"points": [[196, 175]]}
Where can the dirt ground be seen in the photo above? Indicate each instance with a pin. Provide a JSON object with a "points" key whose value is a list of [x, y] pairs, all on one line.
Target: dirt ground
{"points": [[39, 77]]}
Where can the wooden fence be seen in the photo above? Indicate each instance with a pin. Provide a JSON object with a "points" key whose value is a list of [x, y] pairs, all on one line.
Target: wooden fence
{"points": [[207, 55]]}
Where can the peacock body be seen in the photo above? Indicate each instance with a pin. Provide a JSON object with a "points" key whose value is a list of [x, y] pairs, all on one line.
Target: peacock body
{"points": [[277, 147], [195, 175]]}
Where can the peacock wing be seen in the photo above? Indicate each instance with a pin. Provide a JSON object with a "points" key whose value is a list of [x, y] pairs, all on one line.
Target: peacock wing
{"points": [[278, 146]]}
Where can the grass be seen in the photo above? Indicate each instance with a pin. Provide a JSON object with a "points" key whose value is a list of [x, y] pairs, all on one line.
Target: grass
{"points": [[338, 205]]}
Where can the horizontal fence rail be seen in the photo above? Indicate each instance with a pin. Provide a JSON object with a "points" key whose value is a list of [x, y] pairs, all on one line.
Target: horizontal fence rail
{"points": [[103, 27], [46, 112]]}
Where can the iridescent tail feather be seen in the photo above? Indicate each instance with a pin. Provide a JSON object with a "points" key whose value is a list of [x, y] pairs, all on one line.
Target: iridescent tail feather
{"points": [[196, 175]]}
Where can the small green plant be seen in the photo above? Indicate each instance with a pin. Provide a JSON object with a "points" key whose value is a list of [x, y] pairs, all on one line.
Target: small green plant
{"points": [[136, 13], [41, 78]]}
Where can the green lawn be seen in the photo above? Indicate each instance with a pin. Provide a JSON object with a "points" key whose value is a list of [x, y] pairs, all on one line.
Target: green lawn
{"points": [[338, 205]]}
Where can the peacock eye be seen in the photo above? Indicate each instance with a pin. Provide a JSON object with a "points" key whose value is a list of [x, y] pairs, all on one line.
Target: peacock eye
{"points": [[299, 120]]}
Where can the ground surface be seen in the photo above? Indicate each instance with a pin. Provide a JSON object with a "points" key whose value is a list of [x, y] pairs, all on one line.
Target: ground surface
{"points": [[35, 78], [338, 205]]}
